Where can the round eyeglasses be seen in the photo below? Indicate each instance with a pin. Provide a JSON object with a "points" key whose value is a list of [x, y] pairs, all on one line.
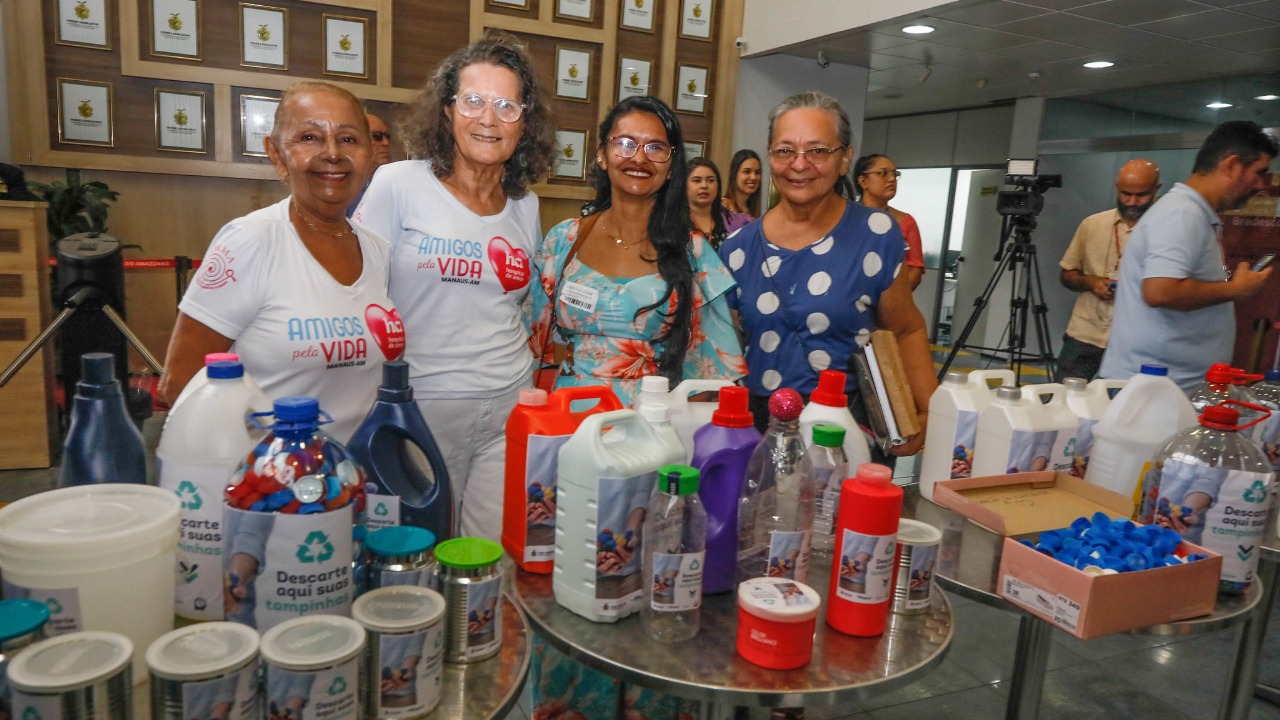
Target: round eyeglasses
{"points": [[625, 147], [472, 106], [815, 155]]}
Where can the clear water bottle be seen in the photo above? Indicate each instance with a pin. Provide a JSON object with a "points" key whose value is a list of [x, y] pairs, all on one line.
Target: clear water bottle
{"points": [[675, 539], [775, 514], [1221, 383], [830, 468], [1212, 483], [1268, 394]]}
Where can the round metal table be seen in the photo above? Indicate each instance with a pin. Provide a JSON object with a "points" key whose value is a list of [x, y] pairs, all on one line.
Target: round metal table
{"points": [[708, 669], [969, 565]]}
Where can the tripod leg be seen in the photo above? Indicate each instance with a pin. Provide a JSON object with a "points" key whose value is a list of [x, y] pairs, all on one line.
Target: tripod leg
{"points": [[35, 346], [1043, 337], [118, 321], [978, 306]]}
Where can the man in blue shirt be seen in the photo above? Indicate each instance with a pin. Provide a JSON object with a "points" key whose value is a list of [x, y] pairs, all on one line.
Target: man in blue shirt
{"points": [[1174, 296]]}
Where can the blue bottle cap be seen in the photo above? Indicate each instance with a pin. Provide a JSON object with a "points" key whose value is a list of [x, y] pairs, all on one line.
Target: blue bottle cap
{"points": [[296, 409], [224, 370], [1271, 375], [1157, 370], [21, 617], [399, 541]]}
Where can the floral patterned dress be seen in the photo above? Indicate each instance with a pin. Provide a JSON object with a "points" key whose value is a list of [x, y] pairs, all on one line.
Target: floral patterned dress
{"points": [[612, 345]]}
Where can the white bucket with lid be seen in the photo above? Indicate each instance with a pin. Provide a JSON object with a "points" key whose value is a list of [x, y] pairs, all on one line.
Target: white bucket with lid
{"points": [[201, 667], [78, 676], [311, 668], [404, 649], [101, 557]]}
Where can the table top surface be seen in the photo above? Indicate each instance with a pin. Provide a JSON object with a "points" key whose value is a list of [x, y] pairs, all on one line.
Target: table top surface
{"points": [[708, 668]]}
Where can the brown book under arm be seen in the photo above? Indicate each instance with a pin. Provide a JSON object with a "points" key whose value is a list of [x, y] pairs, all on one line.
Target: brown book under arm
{"points": [[895, 380]]}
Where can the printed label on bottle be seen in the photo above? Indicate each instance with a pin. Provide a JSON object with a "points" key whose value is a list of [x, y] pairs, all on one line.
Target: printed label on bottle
{"points": [[826, 494], [418, 577], [484, 617], [410, 672], [789, 554], [382, 511], [866, 567], [1034, 450], [1082, 447], [278, 566], [540, 467], [962, 444], [31, 707], [328, 694], [920, 575], [1270, 438], [677, 581], [64, 605], [620, 518], [233, 697], [198, 594]]}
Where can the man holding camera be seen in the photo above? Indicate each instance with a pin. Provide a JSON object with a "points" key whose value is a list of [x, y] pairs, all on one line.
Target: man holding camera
{"points": [[1091, 266], [1174, 296]]}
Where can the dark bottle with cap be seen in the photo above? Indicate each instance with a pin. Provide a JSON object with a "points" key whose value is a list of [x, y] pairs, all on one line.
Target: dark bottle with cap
{"points": [[406, 476], [103, 445]]}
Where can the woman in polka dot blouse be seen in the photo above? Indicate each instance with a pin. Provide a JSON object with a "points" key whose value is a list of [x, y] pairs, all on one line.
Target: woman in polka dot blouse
{"points": [[819, 272]]}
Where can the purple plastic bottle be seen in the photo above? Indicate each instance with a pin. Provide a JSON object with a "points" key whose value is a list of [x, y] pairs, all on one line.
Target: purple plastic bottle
{"points": [[720, 453]]}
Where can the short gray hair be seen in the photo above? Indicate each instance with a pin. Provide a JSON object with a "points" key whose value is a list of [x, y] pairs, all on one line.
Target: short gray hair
{"points": [[844, 129]]}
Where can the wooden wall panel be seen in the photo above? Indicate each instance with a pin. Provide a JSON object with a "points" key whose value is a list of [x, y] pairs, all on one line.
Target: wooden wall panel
{"points": [[426, 32]]}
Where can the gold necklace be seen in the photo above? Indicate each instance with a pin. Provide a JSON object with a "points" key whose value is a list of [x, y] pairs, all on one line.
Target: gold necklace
{"points": [[318, 231], [618, 242]]}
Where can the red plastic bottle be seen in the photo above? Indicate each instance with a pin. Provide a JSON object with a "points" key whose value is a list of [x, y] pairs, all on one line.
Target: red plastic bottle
{"points": [[536, 429], [866, 559]]}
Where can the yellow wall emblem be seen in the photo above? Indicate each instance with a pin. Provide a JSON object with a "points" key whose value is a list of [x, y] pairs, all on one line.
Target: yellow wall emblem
{"points": [[85, 109]]}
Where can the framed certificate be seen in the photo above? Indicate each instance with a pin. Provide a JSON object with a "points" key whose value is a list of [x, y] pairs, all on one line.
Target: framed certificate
{"points": [[84, 113], [633, 77], [344, 46], [175, 29], [521, 4], [694, 148], [180, 121], [257, 117], [576, 9], [691, 89], [571, 155], [573, 74], [695, 19], [84, 23], [262, 36], [638, 15]]}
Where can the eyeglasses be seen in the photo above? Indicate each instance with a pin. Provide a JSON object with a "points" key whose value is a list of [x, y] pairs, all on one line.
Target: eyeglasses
{"points": [[885, 174], [380, 136], [625, 147], [472, 106], [815, 155]]}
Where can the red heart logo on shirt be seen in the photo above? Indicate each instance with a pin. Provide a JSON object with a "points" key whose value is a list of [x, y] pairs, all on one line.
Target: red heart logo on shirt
{"points": [[511, 264], [387, 330]]}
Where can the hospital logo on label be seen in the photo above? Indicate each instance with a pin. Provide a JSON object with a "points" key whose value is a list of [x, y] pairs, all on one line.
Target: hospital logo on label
{"points": [[316, 548], [216, 270]]}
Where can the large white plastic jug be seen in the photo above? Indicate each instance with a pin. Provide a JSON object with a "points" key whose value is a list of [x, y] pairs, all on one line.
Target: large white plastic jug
{"points": [[829, 404], [687, 416], [1050, 414], [1149, 410], [953, 424], [1087, 401], [602, 494], [1017, 433]]}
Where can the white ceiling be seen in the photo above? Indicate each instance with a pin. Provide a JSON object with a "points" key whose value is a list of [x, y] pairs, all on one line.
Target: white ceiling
{"points": [[1171, 56]]}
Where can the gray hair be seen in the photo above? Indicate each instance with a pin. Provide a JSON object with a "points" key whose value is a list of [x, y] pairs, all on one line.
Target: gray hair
{"points": [[820, 101]]}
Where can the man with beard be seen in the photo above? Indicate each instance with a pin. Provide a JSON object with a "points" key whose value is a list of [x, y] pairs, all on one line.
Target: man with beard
{"points": [[1092, 265], [1174, 299]]}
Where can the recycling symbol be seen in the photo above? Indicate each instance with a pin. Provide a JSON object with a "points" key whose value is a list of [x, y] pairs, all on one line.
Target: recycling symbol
{"points": [[380, 509], [31, 714], [1070, 449], [315, 549], [1256, 493], [338, 687], [55, 607], [695, 565], [189, 496]]}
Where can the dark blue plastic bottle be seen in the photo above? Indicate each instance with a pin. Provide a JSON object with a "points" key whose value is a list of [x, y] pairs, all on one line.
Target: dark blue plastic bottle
{"points": [[103, 445], [390, 445], [720, 453]]}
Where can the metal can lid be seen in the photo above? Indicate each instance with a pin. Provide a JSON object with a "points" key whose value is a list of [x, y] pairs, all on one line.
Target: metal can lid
{"points": [[778, 599], [207, 650], [313, 642], [70, 662], [21, 617], [914, 532], [468, 553], [398, 609], [399, 541]]}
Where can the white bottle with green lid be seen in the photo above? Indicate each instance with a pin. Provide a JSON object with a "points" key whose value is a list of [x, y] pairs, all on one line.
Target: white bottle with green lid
{"points": [[313, 662], [197, 668], [404, 651], [470, 578], [830, 468], [675, 533], [77, 675]]}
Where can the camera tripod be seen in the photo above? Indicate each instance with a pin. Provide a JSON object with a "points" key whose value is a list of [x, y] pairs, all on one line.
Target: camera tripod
{"points": [[1017, 258]]}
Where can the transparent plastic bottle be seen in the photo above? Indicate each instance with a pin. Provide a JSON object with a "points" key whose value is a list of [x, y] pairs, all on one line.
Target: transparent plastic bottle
{"points": [[1212, 483], [1268, 394], [675, 537], [1221, 383], [775, 514], [830, 468]]}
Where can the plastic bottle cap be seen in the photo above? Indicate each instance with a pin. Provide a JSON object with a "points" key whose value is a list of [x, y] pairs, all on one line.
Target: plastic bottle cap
{"points": [[395, 375], [296, 409], [917, 533], [678, 479], [654, 384], [97, 368], [655, 413], [21, 617], [70, 662], [1220, 374], [785, 404], [313, 642], [215, 357], [957, 377], [1156, 370], [225, 370], [468, 553], [828, 435], [1076, 384], [875, 474], [398, 609], [1271, 375], [1220, 417], [202, 651], [830, 390], [533, 397], [779, 599], [733, 412], [1008, 393], [399, 541]]}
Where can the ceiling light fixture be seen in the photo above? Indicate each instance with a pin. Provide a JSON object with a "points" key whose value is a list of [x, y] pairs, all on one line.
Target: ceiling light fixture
{"points": [[918, 29], [1266, 97], [1218, 105], [1099, 64]]}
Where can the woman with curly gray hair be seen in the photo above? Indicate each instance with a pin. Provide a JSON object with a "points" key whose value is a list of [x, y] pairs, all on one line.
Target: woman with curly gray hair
{"points": [[462, 225]]}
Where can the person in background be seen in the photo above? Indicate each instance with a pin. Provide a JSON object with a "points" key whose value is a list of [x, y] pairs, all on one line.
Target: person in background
{"points": [[1175, 295], [743, 194], [1091, 266], [877, 182], [819, 272], [462, 225], [381, 135], [298, 292], [708, 213]]}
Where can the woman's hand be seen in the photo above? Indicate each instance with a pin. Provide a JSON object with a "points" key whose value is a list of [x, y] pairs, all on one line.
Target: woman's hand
{"points": [[914, 443]]}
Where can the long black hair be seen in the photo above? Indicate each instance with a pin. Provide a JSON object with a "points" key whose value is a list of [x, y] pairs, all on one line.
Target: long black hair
{"points": [[670, 228], [718, 210], [752, 206]]}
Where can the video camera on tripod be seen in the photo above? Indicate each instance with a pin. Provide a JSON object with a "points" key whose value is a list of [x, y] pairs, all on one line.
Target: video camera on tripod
{"points": [[1025, 203]]}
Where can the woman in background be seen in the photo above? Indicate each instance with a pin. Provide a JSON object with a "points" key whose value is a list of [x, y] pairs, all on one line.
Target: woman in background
{"points": [[709, 215], [743, 194], [877, 180]]}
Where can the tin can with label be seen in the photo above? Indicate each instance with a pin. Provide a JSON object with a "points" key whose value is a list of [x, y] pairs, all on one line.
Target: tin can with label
{"points": [[470, 578], [22, 624], [399, 555], [404, 652], [78, 676], [311, 668], [200, 668], [917, 555]]}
